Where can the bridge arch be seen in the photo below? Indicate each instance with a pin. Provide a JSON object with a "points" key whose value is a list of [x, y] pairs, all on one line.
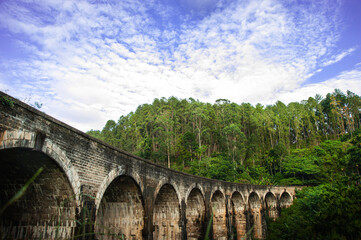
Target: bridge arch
{"points": [[48, 206], [28, 140], [214, 190], [255, 208], [191, 187], [171, 182], [218, 208], [121, 208], [166, 213], [239, 218], [271, 205], [285, 200], [195, 212], [113, 174]]}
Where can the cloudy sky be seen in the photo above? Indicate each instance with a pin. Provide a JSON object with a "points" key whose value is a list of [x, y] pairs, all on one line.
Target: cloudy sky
{"points": [[91, 61]]}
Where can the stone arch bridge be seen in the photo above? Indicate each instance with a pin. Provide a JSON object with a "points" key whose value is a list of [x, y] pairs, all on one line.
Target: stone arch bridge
{"points": [[89, 189]]}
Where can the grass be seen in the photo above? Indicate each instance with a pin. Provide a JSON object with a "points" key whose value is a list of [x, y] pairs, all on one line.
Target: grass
{"points": [[21, 192]]}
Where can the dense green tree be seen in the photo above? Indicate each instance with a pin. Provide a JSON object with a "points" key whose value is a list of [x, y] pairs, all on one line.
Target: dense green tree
{"points": [[323, 212], [179, 131]]}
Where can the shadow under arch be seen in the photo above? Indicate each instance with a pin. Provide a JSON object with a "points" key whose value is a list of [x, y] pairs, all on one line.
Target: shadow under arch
{"points": [[113, 174], [37, 142], [218, 208], [285, 200], [166, 213], [171, 182], [238, 213], [191, 188], [271, 205], [195, 214], [48, 207], [121, 210]]}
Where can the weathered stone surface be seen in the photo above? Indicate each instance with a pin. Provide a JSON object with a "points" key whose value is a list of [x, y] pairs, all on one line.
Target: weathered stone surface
{"points": [[47, 209], [166, 215], [271, 205], [121, 211], [195, 214], [256, 215], [238, 214], [285, 200], [113, 188], [219, 223]]}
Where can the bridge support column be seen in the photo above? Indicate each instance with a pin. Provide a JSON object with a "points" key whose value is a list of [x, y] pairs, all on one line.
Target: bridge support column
{"points": [[183, 220], [86, 216], [229, 217], [148, 211], [219, 224]]}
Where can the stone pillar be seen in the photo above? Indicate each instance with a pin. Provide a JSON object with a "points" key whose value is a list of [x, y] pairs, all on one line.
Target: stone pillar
{"points": [[219, 224], [86, 216], [183, 220], [256, 215]]}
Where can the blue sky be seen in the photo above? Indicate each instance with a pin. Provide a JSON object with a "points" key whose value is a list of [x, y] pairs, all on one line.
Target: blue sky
{"points": [[91, 61]]}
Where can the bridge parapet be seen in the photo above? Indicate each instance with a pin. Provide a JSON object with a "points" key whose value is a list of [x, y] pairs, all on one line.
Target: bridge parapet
{"points": [[122, 193]]}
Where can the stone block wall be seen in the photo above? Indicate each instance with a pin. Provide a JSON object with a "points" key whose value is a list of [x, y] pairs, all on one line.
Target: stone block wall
{"points": [[114, 189]]}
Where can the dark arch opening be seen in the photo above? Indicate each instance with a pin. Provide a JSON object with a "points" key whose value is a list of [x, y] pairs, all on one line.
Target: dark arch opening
{"points": [[271, 205], [256, 216], [239, 219], [166, 214], [219, 224], [121, 210], [285, 200], [195, 213], [47, 210]]}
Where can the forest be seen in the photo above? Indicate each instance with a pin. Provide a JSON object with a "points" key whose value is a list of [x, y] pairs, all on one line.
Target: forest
{"points": [[314, 143]]}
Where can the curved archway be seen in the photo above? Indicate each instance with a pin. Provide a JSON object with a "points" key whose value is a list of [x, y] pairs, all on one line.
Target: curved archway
{"points": [[166, 214], [239, 220], [271, 205], [47, 210], [113, 174], [121, 210], [195, 213], [218, 208], [191, 188], [285, 200], [22, 139], [256, 217], [165, 181]]}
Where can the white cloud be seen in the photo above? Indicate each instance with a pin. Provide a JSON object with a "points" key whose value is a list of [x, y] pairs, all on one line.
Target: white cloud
{"points": [[347, 80], [94, 62], [338, 57]]}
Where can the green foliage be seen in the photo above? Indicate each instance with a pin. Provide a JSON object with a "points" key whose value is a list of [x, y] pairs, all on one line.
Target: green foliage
{"points": [[296, 143], [323, 212], [95, 134], [354, 152], [214, 167], [303, 168], [6, 101], [332, 209]]}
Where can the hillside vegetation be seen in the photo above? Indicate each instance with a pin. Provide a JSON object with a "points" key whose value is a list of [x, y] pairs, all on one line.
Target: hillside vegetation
{"points": [[315, 142], [299, 143]]}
